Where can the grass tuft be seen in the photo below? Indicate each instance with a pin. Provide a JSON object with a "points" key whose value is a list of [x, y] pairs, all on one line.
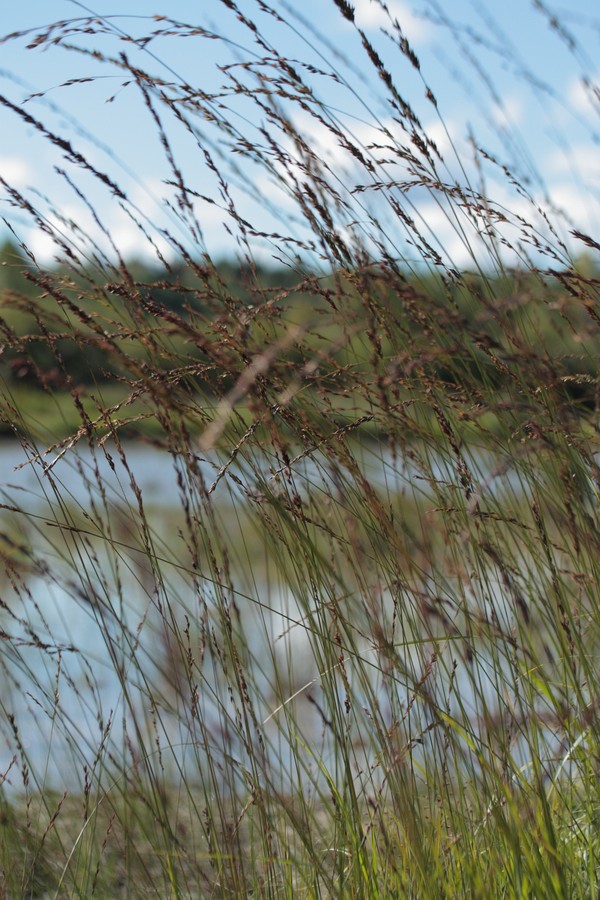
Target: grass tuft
{"points": [[299, 559]]}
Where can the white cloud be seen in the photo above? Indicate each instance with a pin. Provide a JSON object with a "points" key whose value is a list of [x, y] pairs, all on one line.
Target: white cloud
{"points": [[376, 142], [84, 235], [445, 135], [41, 245], [582, 209], [327, 145], [369, 14], [440, 230], [15, 171], [581, 162], [584, 97], [508, 112]]}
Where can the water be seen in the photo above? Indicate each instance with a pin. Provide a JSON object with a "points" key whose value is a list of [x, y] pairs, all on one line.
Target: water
{"points": [[93, 637], [77, 472], [88, 640]]}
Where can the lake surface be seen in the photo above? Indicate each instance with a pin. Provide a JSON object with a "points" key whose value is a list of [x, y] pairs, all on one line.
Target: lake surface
{"points": [[81, 470], [92, 639]]}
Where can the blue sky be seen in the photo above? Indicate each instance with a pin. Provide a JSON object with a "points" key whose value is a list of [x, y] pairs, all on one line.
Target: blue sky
{"points": [[503, 75]]}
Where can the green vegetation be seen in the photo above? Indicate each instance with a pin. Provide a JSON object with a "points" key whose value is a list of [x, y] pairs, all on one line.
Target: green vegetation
{"points": [[458, 335], [355, 653]]}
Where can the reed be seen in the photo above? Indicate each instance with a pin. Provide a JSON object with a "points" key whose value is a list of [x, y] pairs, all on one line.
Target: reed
{"points": [[354, 655]]}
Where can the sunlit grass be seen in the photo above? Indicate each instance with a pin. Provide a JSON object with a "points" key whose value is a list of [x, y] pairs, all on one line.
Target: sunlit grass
{"points": [[336, 633]]}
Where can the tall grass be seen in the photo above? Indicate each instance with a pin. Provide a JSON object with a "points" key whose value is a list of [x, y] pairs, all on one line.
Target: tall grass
{"points": [[355, 654]]}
